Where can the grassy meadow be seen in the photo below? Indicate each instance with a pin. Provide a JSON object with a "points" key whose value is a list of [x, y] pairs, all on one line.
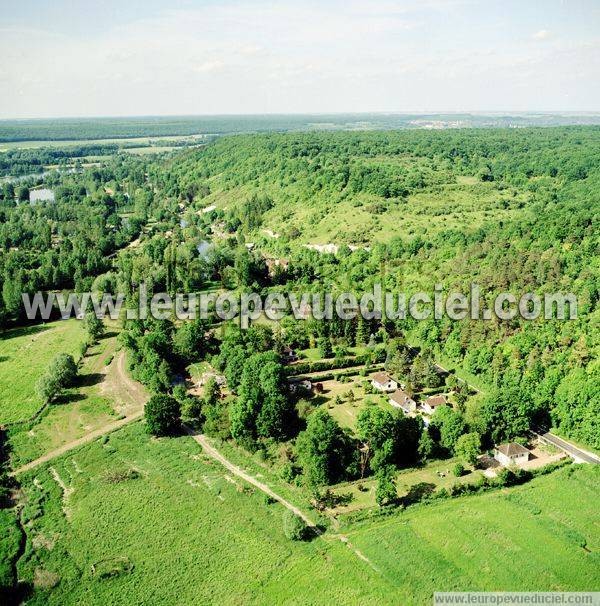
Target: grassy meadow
{"points": [[360, 494], [528, 538], [83, 408], [25, 354], [134, 519]]}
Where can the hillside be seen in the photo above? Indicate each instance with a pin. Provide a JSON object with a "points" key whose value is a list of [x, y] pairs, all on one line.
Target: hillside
{"points": [[355, 188], [510, 210]]}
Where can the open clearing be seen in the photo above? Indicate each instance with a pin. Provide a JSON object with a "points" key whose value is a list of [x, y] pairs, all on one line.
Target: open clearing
{"points": [[533, 537], [138, 500], [25, 354], [91, 414], [182, 529]]}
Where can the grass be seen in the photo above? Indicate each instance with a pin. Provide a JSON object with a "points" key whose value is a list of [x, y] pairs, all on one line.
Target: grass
{"points": [[436, 473], [537, 537], [346, 413], [10, 538], [81, 409], [25, 354], [459, 203], [180, 526]]}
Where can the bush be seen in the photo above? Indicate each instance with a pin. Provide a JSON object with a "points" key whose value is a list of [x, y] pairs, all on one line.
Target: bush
{"points": [[294, 528], [459, 470], [162, 415]]}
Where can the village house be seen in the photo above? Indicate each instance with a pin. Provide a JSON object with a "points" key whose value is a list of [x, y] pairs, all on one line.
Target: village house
{"points": [[511, 454], [381, 381], [430, 405], [273, 264], [400, 399]]}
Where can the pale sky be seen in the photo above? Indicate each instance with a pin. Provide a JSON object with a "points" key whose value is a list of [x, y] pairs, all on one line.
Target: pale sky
{"points": [[151, 57]]}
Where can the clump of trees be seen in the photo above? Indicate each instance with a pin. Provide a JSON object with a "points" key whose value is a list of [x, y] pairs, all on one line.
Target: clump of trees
{"points": [[60, 374], [163, 415], [325, 452], [262, 408], [294, 528]]}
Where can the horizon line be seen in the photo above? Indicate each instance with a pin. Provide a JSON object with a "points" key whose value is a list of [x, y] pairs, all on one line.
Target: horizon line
{"points": [[530, 112]]}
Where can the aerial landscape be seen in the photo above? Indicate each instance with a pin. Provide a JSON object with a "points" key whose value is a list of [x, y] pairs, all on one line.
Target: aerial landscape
{"points": [[309, 317]]}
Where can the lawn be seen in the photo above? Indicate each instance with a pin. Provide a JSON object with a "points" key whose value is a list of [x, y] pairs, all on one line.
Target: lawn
{"points": [[437, 474], [540, 536], [25, 354], [175, 529], [347, 412], [81, 409]]}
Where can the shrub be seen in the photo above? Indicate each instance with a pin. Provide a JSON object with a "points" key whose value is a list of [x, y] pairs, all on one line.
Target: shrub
{"points": [[294, 528], [459, 470]]}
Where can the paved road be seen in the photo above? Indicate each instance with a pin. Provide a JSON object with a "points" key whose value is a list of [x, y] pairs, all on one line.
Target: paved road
{"points": [[570, 449]]}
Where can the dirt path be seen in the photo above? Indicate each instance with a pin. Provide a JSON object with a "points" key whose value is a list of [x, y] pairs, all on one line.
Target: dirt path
{"points": [[212, 452], [126, 388]]}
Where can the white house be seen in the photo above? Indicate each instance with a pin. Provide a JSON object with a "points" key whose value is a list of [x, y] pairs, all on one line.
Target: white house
{"points": [[430, 405], [511, 454], [400, 399], [381, 381]]}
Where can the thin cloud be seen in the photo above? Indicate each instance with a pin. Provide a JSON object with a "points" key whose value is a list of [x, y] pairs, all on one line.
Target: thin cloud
{"points": [[542, 34]]}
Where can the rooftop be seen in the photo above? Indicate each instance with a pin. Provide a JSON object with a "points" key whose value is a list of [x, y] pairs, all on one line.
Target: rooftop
{"points": [[512, 449]]}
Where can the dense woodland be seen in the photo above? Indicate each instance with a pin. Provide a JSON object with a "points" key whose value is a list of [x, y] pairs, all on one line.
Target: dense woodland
{"points": [[534, 194]]}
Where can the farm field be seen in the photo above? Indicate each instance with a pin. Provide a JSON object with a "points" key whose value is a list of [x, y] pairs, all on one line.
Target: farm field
{"points": [[25, 354], [142, 142], [92, 516], [533, 537]]}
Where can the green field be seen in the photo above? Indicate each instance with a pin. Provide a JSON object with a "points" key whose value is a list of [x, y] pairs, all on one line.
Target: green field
{"points": [[180, 526], [534, 537], [25, 354], [438, 474], [81, 409], [180, 532], [128, 143]]}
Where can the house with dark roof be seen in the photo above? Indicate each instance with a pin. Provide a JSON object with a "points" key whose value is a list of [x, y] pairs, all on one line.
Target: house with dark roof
{"points": [[511, 453]]}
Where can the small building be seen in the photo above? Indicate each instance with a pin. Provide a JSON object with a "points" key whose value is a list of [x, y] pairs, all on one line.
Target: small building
{"points": [[400, 399], [219, 379], [511, 454], [381, 381], [304, 385], [430, 405], [288, 355]]}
